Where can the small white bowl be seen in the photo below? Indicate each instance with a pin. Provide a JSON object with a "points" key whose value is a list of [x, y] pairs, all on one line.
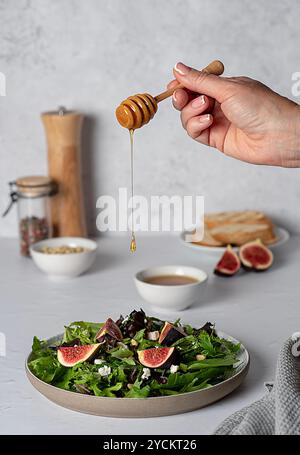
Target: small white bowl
{"points": [[64, 266], [171, 298]]}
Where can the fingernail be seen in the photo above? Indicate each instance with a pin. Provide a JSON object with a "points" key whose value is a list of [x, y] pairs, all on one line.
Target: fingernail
{"points": [[204, 118], [198, 101], [181, 68], [174, 96]]}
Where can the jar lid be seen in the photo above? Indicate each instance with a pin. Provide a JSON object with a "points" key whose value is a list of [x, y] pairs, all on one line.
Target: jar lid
{"points": [[34, 186]]}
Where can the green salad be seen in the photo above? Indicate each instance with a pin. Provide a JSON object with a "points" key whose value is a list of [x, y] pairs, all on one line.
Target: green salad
{"points": [[135, 357]]}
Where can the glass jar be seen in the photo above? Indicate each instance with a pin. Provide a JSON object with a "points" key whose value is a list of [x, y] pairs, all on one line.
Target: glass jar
{"points": [[32, 195]]}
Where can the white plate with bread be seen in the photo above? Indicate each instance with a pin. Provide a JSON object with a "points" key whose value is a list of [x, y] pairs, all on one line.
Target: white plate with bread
{"points": [[236, 228]]}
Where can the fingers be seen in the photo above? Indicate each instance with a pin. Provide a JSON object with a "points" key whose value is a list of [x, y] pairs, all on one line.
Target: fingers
{"points": [[181, 96], [172, 84], [180, 99], [197, 126], [201, 82], [199, 105]]}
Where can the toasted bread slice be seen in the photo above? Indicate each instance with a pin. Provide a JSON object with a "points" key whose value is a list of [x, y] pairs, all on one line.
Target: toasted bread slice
{"points": [[208, 239], [240, 233], [245, 217]]}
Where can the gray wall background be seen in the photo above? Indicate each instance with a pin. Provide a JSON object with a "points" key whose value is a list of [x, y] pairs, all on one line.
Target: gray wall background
{"points": [[89, 55]]}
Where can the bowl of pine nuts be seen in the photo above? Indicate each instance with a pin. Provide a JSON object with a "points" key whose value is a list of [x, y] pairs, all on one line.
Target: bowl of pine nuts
{"points": [[64, 257]]}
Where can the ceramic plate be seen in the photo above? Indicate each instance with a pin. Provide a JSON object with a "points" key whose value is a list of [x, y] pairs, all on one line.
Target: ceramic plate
{"points": [[281, 233], [143, 407]]}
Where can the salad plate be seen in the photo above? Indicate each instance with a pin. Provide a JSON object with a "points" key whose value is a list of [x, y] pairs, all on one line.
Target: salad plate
{"points": [[281, 234], [188, 384]]}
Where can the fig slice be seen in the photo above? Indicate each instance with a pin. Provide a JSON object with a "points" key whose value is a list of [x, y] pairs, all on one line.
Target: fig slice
{"points": [[170, 334], [256, 256], [157, 357], [109, 328], [229, 264], [68, 356]]}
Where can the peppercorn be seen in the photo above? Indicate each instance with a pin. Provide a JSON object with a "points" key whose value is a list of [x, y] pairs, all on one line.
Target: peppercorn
{"points": [[32, 230]]}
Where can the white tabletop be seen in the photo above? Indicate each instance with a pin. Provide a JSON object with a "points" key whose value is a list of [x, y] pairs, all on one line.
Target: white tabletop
{"points": [[260, 309]]}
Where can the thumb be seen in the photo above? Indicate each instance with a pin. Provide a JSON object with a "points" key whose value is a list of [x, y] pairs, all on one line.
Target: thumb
{"points": [[202, 82]]}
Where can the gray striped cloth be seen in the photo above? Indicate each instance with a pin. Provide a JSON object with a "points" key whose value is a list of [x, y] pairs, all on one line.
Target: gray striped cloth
{"points": [[278, 412]]}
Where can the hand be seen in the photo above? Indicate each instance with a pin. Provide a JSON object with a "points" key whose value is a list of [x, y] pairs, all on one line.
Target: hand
{"points": [[239, 116]]}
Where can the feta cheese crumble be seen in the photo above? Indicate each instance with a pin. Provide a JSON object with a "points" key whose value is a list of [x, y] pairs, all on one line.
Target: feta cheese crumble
{"points": [[104, 371], [200, 357], [174, 368], [98, 361], [153, 336], [146, 373], [125, 319], [122, 345]]}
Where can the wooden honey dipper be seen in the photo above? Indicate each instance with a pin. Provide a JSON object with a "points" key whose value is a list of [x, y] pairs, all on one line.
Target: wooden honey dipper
{"points": [[137, 110]]}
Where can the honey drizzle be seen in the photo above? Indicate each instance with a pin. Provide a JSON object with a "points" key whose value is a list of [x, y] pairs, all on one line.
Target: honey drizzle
{"points": [[133, 241]]}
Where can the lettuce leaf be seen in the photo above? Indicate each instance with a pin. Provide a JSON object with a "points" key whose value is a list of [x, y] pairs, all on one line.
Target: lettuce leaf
{"points": [[137, 391], [84, 331]]}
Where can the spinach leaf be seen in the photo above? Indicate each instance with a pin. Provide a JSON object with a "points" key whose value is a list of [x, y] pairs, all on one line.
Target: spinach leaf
{"points": [[121, 353], [216, 362]]}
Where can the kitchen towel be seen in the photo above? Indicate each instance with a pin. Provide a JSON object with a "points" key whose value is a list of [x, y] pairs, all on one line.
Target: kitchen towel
{"points": [[278, 412]]}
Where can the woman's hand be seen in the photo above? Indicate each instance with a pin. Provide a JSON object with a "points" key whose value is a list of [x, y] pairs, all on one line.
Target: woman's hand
{"points": [[239, 116]]}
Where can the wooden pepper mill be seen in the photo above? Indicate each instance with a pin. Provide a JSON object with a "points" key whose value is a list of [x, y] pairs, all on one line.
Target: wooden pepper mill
{"points": [[63, 133]]}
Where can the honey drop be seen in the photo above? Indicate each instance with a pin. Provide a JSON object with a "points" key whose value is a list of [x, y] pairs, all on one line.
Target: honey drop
{"points": [[133, 244]]}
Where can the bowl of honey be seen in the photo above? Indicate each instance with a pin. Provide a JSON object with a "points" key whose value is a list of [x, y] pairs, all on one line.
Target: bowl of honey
{"points": [[171, 287]]}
